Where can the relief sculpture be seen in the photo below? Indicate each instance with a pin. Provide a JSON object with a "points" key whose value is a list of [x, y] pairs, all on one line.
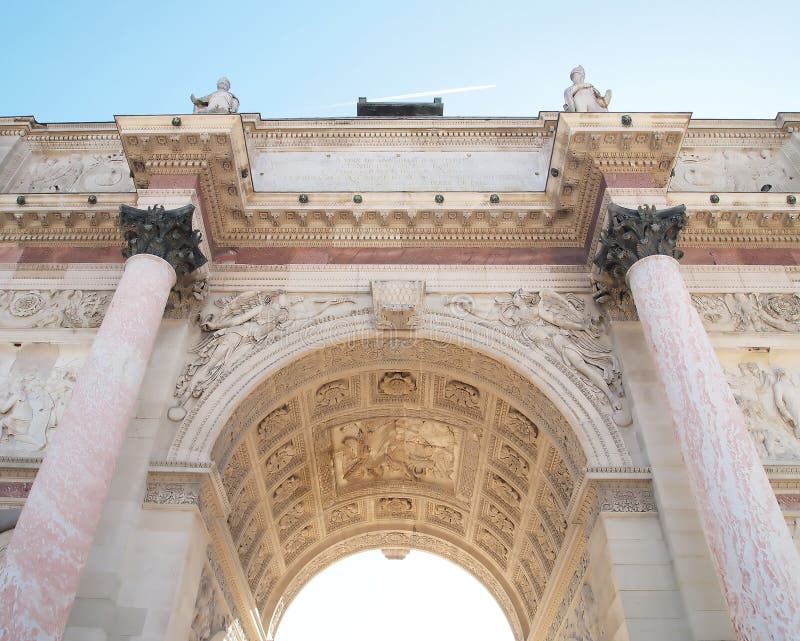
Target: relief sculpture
{"points": [[563, 326], [749, 312], [243, 322], [71, 308], [770, 401], [210, 623], [74, 173], [741, 170], [395, 448], [31, 406]]}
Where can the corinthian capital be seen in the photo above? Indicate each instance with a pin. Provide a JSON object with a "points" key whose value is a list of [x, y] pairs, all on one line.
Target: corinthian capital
{"points": [[166, 233], [637, 233]]}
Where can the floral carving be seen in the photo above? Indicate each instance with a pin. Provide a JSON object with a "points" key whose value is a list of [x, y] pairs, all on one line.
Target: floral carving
{"points": [[286, 489], [173, 493], [397, 384], [522, 425], [502, 489], [63, 308], [345, 514], [741, 312], [633, 234], [462, 394], [499, 520], [166, 233], [396, 506], [488, 541], [447, 514], [333, 393], [513, 461], [292, 517], [281, 458]]}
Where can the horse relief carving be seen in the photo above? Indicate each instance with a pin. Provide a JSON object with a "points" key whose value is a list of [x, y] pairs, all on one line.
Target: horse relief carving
{"points": [[410, 449]]}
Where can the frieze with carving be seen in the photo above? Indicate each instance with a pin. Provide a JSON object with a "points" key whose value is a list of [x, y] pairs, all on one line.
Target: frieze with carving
{"points": [[73, 173], [734, 170], [740, 312], [168, 493], [71, 308]]}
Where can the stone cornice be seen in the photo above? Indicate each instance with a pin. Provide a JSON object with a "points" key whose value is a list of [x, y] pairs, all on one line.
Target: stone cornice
{"points": [[585, 147]]}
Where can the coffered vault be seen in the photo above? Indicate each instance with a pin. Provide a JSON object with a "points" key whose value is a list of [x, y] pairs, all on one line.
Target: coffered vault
{"points": [[404, 455]]}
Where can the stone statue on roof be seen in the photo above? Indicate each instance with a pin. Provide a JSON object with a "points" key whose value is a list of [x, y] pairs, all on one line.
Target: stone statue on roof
{"points": [[221, 101], [582, 96]]}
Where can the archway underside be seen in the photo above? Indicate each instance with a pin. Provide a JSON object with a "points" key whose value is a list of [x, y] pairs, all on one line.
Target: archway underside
{"points": [[441, 458]]}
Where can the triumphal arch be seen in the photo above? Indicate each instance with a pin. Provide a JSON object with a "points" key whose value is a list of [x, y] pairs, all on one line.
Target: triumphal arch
{"points": [[561, 351]]}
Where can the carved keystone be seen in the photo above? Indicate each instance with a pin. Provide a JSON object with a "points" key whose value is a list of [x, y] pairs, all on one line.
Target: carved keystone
{"points": [[633, 234], [167, 234], [397, 303]]}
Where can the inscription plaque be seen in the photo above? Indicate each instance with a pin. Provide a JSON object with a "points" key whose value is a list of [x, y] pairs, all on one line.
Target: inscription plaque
{"points": [[304, 171]]}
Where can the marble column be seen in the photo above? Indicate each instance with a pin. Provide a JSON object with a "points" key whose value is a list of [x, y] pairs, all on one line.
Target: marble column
{"points": [[41, 570], [755, 557]]}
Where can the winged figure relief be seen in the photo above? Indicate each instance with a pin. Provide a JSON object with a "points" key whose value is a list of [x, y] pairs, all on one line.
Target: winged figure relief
{"points": [[244, 320]]}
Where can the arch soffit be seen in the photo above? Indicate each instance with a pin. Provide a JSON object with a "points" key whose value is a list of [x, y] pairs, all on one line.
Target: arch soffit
{"points": [[542, 388]]}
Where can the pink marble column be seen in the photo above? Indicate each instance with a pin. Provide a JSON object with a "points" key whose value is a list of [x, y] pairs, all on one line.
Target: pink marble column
{"points": [[754, 554], [41, 570]]}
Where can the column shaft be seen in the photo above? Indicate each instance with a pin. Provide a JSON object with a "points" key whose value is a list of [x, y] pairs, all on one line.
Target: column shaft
{"points": [[41, 569], [755, 557]]}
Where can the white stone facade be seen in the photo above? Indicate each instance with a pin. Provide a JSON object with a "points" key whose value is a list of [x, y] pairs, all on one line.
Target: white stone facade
{"points": [[295, 412]]}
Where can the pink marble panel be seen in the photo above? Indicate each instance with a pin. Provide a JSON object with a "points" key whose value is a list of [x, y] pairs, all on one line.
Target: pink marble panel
{"points": [[15, 489]]}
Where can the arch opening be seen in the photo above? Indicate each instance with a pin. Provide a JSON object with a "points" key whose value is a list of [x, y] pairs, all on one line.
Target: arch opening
{"points": [[423, 596]]}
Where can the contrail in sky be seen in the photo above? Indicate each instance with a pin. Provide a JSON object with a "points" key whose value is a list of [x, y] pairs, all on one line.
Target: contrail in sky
{"points": [[418, 94]]}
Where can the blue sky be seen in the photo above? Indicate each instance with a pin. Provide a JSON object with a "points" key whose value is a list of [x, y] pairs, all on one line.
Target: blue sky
{"points": [[88, 61]]}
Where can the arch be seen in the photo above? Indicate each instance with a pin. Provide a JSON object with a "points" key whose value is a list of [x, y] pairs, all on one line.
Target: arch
{"points": [[307, 446], [237, 398]]}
